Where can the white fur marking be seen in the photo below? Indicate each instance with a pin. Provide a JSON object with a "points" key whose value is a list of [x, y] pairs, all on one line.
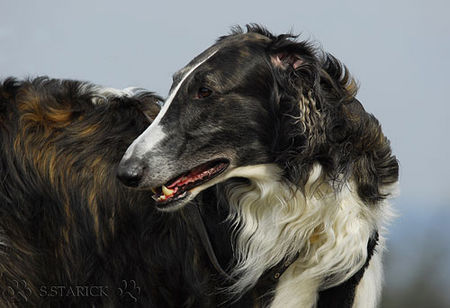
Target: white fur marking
{"points": [[368, 292], [102, 94], [328, 228], [154, 133], [3, 241]]}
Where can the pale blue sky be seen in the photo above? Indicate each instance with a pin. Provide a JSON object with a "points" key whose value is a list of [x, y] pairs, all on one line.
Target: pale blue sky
{"points": [[398, 50]]}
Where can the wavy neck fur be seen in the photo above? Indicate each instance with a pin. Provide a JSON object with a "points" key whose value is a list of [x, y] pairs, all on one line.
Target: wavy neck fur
{"points": [[328, 228]]}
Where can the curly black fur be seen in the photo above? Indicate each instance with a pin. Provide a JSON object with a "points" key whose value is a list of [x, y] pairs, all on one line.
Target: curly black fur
{"points": [[340, 135]]}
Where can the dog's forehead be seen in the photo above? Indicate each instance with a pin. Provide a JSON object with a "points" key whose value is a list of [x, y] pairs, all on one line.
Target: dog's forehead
{"points": [[178, 76], [250, 37], [242, 45], [239, 44]]}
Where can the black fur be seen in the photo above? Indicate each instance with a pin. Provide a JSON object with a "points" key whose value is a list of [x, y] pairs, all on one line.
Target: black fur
{"points": [[66, 221], [334, 129], [349, 142], [257, 98]]}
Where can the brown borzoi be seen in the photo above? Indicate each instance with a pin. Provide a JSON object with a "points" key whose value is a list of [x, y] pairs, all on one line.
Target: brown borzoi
{"points": [[71, 235], [306, 171]]}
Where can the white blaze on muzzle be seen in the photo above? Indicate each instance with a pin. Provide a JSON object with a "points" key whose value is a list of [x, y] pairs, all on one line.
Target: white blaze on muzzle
{"points": [[154, 134]]}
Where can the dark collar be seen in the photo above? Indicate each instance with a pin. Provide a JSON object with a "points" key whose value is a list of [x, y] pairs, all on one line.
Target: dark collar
{"points": [[200, 227], [273, 274]]}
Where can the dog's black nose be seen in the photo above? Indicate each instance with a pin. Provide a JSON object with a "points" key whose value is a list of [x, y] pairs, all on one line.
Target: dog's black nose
{"points": [[130, 172]]}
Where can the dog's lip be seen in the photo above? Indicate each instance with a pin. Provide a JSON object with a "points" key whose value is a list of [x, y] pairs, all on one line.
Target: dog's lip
{"points": [[165, 204], [181, 186]]}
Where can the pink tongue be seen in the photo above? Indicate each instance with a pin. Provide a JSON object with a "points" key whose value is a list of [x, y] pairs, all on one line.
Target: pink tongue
{"points": [[195, 175]]}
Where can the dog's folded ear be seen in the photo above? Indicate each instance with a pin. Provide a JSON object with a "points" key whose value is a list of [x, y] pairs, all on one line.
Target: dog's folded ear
{"points": [[295, 62], [284, 60], [285, 52], [150, 104]]}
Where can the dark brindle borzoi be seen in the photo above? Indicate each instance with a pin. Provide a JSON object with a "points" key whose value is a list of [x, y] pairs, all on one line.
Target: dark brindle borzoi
{"points": [[71, 235], [305, 169]]}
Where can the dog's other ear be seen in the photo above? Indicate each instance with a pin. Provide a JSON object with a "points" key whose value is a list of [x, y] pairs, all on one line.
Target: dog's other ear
{"points": [[375, 166], [150, 104]]}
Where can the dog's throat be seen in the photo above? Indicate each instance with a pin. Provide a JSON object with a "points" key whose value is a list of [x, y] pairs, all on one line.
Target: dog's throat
{"points": [[179, 186]]}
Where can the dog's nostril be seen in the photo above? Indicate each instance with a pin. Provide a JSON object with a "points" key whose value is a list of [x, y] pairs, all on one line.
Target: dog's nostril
{"points": [[130, 172]]}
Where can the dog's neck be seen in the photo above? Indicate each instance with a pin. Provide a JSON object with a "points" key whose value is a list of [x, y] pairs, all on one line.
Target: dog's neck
{"points": [[327, 228]]}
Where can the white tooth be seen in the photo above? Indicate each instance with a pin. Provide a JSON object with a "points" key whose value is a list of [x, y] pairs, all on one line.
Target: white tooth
{"points": [[167, 191]]}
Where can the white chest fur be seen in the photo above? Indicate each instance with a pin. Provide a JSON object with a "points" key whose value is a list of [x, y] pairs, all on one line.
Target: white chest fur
{"points": [[328, 227]]}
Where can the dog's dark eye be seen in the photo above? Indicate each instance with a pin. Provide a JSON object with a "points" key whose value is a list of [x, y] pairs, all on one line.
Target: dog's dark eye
{"points": [[203, 92]]}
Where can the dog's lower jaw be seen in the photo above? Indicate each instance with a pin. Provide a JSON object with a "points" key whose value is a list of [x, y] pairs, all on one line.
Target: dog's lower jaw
{"points": [[176, 205], [253, 172]]}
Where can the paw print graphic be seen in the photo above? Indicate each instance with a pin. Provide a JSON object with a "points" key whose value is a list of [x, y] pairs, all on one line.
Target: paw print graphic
{"points": [[130, 289], [17, 290]]}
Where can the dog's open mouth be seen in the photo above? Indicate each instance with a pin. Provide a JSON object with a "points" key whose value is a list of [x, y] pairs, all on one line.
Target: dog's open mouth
{"points": [[179, 187]]}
